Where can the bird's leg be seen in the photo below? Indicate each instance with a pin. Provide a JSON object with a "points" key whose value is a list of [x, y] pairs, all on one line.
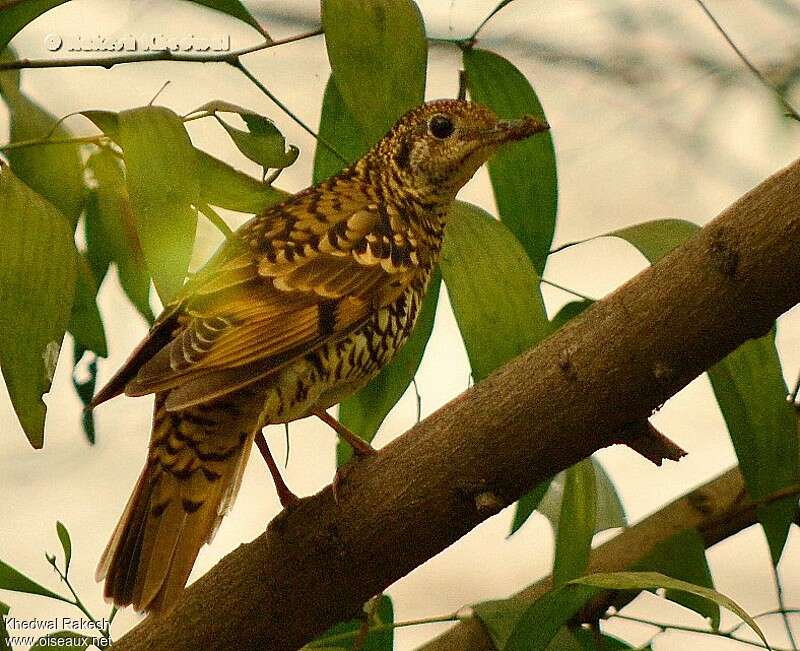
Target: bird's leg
{"points": [[359, 445], [286, 496]]}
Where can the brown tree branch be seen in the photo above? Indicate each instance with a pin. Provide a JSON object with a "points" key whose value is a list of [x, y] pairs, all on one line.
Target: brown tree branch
{"points": [[536, 416], [718, 510]]}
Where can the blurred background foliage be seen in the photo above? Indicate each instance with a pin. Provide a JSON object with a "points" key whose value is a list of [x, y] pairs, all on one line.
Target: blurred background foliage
{"points": [[131, 195]]}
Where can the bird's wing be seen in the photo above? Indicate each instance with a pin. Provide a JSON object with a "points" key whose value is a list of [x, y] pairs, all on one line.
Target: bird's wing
{"points": [[296, 278]]}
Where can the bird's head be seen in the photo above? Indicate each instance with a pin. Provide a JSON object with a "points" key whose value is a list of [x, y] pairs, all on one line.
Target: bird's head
{"points": [[435, 148]]}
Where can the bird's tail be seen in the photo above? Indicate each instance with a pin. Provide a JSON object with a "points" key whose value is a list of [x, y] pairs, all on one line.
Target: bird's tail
{"points": [[189, 482]]}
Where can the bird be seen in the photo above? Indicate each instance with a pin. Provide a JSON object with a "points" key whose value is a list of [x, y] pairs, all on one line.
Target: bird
{"points": [[299, 309]]}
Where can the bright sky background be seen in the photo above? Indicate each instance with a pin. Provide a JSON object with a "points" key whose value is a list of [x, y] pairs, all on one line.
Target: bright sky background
{"points": [[670, 147]]}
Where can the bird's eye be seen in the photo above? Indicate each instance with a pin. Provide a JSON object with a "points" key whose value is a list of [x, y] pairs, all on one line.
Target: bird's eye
{"points": [[441, 126]]}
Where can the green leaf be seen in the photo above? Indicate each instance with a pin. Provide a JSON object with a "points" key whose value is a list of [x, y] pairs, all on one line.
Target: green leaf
{"points": [[111, 232], [262, 143], [37, 285], [343, 635], [162, 186], [751, 394], [86, 324], [493, 287], [232, 8], [54, 171], [527, 505], [4, 645], [654, 580], [683, 556], [539, 623], [576, 524], [656, 238], [581, 502], [11, 579], [523, 174], [85, 389], [378, 53], [364, 411], [223, 186], [18, 14], [567, 313], [338, 127], [66, 545], [64, 639]]}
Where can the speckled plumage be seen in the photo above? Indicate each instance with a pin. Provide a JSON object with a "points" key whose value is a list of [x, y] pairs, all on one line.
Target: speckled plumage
{"points": [[307, 303]]}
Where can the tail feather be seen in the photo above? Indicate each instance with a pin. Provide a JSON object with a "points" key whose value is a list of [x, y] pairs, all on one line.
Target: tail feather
{"points": [[189, 482]]}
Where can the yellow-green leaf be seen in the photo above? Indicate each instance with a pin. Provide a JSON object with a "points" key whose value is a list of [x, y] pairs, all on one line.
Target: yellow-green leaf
{"points": [[37, 286], [378, 53], [54, 171], [654, 580], [15, 15], [523, 174], [12, 579], [162, 185], [86, 324], [493, 288]]}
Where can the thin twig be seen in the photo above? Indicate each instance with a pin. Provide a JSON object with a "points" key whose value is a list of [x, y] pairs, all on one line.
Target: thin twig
{"points": [[791, 112], [419, 398], [694, 629], [109, 62], [348, 635], [236, 63], [782, 604], [214, 217], [482, 24], [82, 140], [567, 289]]}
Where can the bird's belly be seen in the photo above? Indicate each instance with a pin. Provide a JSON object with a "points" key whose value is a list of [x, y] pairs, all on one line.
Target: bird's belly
{"points": [[339, 368]]}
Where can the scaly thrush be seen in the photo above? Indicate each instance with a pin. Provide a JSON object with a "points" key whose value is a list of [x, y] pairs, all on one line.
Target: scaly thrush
{"points": [[298, 311]]}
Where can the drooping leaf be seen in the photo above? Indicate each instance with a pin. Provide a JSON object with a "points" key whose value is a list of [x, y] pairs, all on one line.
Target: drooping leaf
{"points": [[66, 545], [111, 232], [262, 143], [493, 288], [223, 186], [162, 181], [656, 238], [378, 53], [37, 286], [527, 505], [523, 174], [220, 184], [580, 502], [64, 639], [337, 127], [751, 394], [538, 623], [343, 635], [11, 579], [577, 523], [654, 581], [53, 171], [233, 8], [683, 556], [85, 389], [4, 644], [15, 15], [86, 324], [567, 313], [364, 411]]}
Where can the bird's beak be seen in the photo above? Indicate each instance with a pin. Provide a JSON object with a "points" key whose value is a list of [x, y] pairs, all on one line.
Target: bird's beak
{"points": [[512, 130]]}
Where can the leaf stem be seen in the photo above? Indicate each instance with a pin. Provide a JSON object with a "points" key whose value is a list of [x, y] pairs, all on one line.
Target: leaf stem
{"points": [[82, 140], [567, 289], [791, 112], [782, 605], [236, 63], [348, 635]]}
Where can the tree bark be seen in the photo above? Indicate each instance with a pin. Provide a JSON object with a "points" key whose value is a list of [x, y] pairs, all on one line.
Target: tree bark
{"points": [[539, 414], [718, 510]]}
